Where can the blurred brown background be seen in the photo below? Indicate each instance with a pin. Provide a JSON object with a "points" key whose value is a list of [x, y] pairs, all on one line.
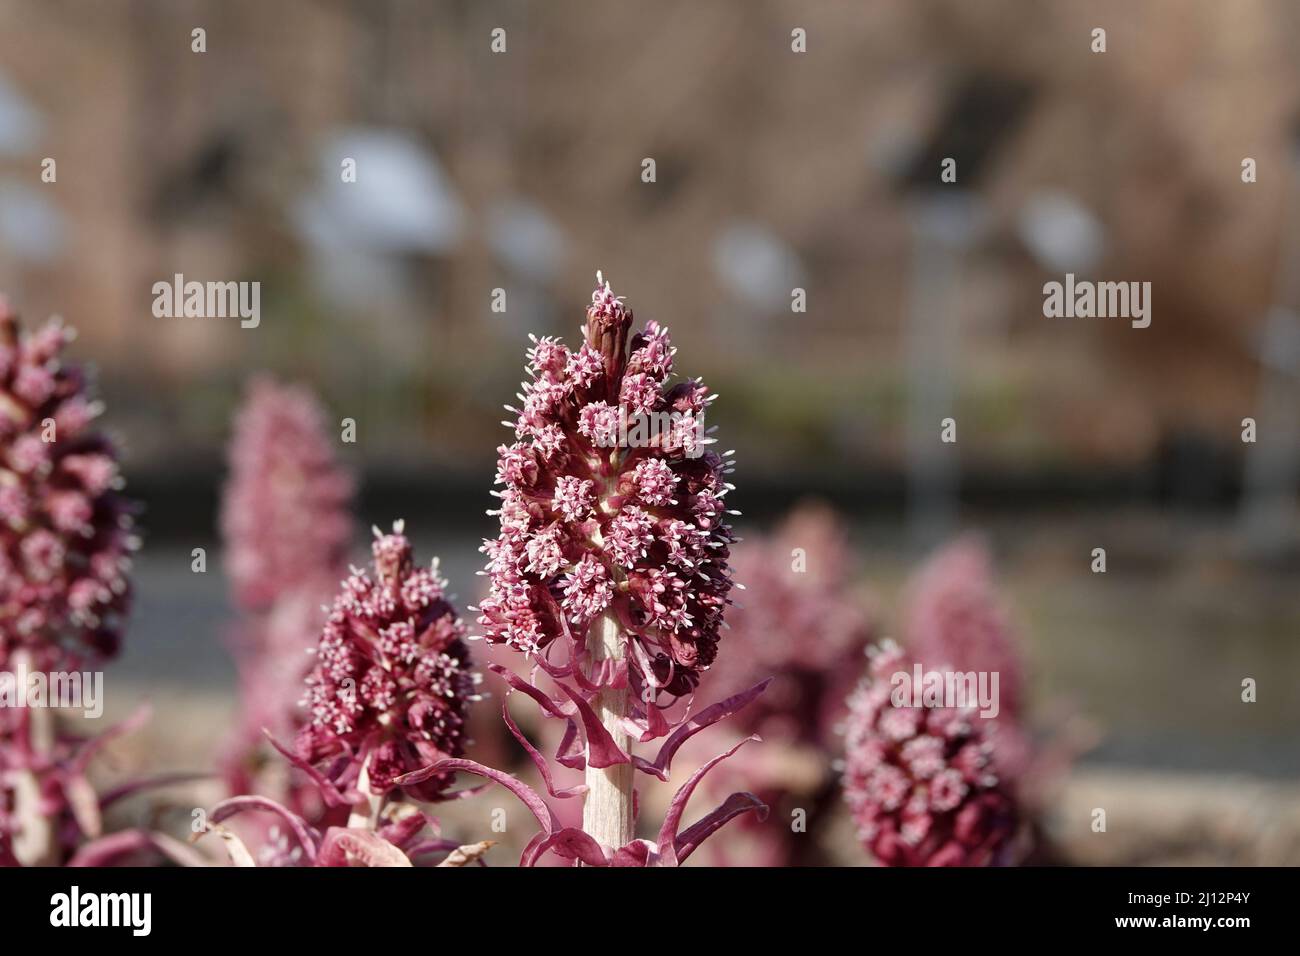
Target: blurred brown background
{"points": [[775, 170]]}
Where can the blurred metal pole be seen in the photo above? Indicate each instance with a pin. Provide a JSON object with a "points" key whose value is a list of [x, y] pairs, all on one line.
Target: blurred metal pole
{"points": [[943, 225], [1272, 466]]}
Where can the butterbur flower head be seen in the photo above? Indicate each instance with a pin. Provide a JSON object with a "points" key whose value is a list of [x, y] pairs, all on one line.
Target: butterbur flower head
{"points": [[392, 683], [798, 621], [272, 660], [287, 524], [611, 504], [65, 529], [954, 614], [285, 516], [921, 783]]}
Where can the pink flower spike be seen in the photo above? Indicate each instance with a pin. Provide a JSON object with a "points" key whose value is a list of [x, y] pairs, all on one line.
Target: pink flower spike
{"points": [[920, 782], [954, 614], [392, 683], [66, 532], [604, 511], [610, 572], [285, 510]]}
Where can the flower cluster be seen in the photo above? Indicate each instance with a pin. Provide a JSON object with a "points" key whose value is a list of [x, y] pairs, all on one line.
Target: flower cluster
{"points": [[800, 621], [66, 534], [611, 517], [953, 614], [921, 783], [287, 522], [611, 504], [285, 512], [272, 660], [65, 529], [392, 682]]}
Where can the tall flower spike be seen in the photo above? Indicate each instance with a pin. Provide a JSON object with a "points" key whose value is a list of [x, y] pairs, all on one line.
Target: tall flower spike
{"points": [[610, 573], [65, 529], [802, 624], [392, 681], [285, 516], [389, 693], [801, 621], [272, 659], [921, 783], [611, 505], [287, 524], [954, 614]]}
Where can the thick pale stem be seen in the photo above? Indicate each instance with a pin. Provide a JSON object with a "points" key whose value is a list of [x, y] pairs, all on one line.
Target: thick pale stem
{"points": [[34, 843], [607, 813], [365, 813]]}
